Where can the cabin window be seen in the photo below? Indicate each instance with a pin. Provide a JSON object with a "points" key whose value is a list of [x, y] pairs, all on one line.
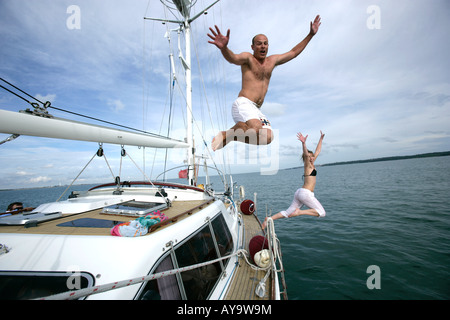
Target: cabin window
{"points": [[223, 236], [195, 284], [33, 285], [165, 288], [198, 282]]}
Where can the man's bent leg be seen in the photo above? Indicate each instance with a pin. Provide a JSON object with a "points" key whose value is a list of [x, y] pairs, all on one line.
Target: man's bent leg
{"points": [[264, 135], [236, 133], [250, 132]]}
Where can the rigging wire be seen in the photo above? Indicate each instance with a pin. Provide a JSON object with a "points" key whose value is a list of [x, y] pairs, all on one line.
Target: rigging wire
{"points": [[169, 97], [10, 138], [208, 106], [70, 112], [144, 91], [176, 81], [184, 98], [98, 153], [171, 87], [218, 81]]}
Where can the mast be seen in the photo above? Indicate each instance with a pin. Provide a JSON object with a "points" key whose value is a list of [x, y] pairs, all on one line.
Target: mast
{"points": [[185, 11], [184, 8]]}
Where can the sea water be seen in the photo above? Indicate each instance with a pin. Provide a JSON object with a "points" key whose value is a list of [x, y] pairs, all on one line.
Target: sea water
{"points": [[394, 215], [386, 234]]}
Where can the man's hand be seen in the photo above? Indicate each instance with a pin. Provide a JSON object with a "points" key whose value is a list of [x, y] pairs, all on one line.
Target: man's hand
{"points": [[219, 39], [315, 26]]}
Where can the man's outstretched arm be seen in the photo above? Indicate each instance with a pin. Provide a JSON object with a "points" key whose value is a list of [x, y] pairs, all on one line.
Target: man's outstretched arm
{"points": [[221, 42], [288, 56]]}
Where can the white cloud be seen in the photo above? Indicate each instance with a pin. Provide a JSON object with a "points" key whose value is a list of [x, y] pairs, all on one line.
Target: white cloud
{"points": [[116, 105], [40, 179], [274, 109]]}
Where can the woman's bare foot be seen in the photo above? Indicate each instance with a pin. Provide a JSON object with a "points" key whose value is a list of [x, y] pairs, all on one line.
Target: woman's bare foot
{"points": [[264, 225]]}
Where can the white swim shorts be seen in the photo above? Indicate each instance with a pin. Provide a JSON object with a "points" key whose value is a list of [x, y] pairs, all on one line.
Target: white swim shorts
{"points": [[244, 109]]}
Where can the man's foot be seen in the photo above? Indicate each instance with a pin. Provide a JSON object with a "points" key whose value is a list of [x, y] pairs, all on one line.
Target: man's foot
{"points": [[217, 142]]}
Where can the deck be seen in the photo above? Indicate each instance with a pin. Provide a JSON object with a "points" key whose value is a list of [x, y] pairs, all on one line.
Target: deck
{"points": [[178, 211], [246, 279]]}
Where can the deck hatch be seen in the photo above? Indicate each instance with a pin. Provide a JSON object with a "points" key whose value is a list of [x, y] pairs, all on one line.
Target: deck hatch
{"points": [[29, 218], [137, 208]]}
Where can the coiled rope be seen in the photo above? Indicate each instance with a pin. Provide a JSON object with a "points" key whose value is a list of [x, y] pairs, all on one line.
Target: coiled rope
{"points": [[275, 255]]}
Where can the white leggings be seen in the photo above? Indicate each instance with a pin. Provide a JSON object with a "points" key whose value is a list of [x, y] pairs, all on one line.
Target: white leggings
{"points": [[304, 197]]}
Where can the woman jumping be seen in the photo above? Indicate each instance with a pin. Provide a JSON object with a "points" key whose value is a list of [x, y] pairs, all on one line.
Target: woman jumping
{"points": [[305, 194]]}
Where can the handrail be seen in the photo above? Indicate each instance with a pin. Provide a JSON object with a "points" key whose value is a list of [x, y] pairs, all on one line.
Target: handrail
{"points": [[162, 184], [183, 166]]}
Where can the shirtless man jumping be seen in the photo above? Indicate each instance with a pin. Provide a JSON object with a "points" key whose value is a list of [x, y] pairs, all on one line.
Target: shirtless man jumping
{"points": [[251, 124]]}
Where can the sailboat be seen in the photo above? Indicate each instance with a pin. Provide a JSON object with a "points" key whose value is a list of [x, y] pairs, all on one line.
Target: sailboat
{"points": [[137, 240]]}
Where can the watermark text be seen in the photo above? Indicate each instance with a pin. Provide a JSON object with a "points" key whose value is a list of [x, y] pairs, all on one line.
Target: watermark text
{"points": [[374, 280], [73, 22]]}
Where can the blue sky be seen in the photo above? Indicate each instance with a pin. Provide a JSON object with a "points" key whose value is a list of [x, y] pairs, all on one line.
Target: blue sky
{"points": [[374, 80]]}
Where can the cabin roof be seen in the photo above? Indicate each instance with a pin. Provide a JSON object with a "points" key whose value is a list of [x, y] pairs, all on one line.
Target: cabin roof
{"points": [[96, 223]]}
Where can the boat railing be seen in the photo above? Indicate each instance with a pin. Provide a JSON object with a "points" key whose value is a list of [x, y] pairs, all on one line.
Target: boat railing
{"points": [[207, 176], [147, 183]]}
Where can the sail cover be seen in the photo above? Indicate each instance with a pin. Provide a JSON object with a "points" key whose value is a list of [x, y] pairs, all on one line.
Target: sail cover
{"points": [[30, 125]]}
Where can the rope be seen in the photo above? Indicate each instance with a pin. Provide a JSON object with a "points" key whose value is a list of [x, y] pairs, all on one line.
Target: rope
{"points": [[275, 255], [72, 295], [70, 112], [275, 243], [275, 252]]}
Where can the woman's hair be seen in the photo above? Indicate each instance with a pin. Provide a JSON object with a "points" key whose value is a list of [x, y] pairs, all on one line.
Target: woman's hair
{"points": [[304, 155]]}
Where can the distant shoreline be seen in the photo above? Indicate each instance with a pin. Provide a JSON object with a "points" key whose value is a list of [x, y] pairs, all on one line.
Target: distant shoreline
{"points": [[422, 155], [416, 156]]}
